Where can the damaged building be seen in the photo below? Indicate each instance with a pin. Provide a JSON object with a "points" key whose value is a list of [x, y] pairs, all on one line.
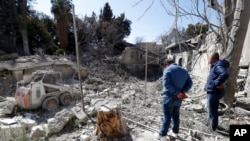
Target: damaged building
{"points": [[193, 55], [139, 102], [134, 59]]}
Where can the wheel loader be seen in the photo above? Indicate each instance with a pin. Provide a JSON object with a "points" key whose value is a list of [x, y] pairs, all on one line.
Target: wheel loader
{"points": [[45, 90]]}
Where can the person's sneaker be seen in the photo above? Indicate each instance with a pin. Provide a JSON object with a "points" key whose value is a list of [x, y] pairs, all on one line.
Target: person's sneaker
{"points": [[220, 128], [157, 136], [172, 134]]}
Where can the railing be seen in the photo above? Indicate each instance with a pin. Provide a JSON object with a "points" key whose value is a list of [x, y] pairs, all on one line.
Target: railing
{"points": [[241, 80]]}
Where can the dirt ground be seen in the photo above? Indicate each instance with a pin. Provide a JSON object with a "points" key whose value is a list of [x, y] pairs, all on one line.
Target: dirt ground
{"points": [[143, 114], [140, 105]]}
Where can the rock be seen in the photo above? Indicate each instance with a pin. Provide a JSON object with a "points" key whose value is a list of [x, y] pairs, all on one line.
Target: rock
{"points": [[38, 131], [194, 107], [241, 111], [12, 132], [27, 122], [84, 138], [91, 111], [198, 108], [79, 113], [6, 106], [7, 121], [57, 123]]}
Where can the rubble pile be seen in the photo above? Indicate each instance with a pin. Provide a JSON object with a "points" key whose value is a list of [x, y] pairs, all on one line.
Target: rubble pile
{"points": [[139, 103]]}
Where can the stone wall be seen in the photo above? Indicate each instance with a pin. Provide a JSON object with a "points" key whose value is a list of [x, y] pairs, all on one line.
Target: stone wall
{"points": [[200, 66], [182, 54], [134, 58]]}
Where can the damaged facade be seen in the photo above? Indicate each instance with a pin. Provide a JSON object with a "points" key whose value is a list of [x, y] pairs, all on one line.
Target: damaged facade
{"points": [[193, 55], [182, 53], [135, 58]]}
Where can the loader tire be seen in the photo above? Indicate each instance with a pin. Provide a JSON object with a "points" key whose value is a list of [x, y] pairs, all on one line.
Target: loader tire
{"points": [[66, 99], [50, 103], [223, 107]]}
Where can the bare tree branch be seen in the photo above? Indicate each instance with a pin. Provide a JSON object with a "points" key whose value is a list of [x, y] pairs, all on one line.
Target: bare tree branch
{"points": [[146, 9], [215, 5], [137, 3]]}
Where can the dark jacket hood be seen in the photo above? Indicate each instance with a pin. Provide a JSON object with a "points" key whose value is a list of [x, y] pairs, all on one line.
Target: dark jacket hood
{"points": [[223, 63]]}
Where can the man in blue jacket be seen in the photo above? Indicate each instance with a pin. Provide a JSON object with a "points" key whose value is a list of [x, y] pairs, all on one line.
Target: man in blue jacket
{"points": [[215, 87], [176, 81]]}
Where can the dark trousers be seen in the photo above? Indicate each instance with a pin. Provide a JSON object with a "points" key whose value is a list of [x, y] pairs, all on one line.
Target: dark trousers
{"points": [[171, 110], [213, 100]]}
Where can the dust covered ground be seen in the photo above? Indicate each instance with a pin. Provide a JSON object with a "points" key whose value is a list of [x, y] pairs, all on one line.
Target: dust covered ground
{"points": [[140, 104]]}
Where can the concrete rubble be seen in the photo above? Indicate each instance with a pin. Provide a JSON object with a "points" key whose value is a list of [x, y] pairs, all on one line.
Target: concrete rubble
{"points": [[140, 104], [7, 106]]}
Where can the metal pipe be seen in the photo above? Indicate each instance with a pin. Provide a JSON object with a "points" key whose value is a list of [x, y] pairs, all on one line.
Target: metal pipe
{"points": [[77, 56]]}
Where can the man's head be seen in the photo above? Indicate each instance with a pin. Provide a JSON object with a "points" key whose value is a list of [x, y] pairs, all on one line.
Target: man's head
{"points": [[168, 62], [214, 58]]}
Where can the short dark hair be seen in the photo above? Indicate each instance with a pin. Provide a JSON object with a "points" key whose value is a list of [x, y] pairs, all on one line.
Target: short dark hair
{"points": [[215, 55], [168, 61]]}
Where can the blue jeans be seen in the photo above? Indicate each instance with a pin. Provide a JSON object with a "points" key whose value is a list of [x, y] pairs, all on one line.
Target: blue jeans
{"points": [[213, 100], [171, 110]]}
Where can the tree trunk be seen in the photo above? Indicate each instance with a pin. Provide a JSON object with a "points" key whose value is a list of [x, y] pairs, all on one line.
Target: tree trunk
{"points": [[62, 31], [110, 124], [23, 27], [25, 41], [235, 45], [229, 8]]}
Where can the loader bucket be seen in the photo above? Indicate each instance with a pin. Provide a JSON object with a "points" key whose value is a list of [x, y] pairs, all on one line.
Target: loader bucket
{"points": [[22, 97]]}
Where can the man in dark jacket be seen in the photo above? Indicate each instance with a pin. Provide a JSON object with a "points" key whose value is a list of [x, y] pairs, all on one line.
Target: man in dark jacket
{"points": [[215, 87], [176, 81]]}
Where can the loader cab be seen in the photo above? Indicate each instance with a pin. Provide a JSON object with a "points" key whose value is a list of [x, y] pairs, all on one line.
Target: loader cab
{"points": [[44, 89], [49, 77], [53, 78]]}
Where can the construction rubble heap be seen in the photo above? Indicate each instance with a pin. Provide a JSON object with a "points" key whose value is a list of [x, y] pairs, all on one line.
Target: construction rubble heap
{"points": [[110, 92]]}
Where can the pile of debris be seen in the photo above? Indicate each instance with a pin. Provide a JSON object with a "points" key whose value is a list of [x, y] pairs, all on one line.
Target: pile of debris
{"points": [[137, 106]]}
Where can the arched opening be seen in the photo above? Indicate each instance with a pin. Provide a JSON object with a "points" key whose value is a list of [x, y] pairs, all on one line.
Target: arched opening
{"points": [[180, 62], [174, 58]]}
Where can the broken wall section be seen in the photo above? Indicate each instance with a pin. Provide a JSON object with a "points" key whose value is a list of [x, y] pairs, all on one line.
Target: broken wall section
{"points": [[22, 68]]}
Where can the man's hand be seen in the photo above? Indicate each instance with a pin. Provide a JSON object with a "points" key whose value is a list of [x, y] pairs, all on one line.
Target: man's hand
{"points": [[220, 86], [182, 96]]}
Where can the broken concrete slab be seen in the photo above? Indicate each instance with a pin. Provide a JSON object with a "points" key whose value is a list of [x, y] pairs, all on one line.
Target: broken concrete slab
{"points": [[7, 106], [39, 131], [57, 123], [27, 122], [12, 132], [7, 121], [79, 113]]}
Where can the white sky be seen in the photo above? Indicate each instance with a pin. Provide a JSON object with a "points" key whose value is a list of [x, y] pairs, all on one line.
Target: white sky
{"points": [[151, 25]]}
